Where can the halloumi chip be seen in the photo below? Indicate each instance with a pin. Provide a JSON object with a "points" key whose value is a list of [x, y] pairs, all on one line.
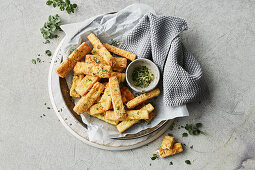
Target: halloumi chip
{"points": [[118, 106], [68, 64], [106, 100], [131, 115], [168, 142], [151, 116], [86, 83], [126, 94], [76, 80], [96, 109], [102, 117], [177, 148], [121, 76], [89, 99], [100, 49], [99, 70], [117, 62], [120, 52], [142, 98], [124, 125]]}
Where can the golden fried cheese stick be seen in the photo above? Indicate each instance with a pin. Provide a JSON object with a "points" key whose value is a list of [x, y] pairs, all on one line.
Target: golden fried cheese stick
{"points": [[126, 94], [67, 65], [177, 148], [89, 99], [168, 142], [116, 98], [121, 76], [131, 115], [117, 62], [99, 70], [76, 80], [142, 98], [86, 83], [124, 125], [96, 109], [106, 100], [100, 49], [120, 52]]}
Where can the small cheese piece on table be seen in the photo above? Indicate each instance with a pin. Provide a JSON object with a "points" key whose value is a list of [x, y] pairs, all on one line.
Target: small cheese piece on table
{"points": [[106, 100], [68, 64], [100, 49], [177, 148], [142, 98], [86, 83], [124, 125], [118, 106], [120, 52], [99, 70], [168, 142], [76, 80], [89, 99]]}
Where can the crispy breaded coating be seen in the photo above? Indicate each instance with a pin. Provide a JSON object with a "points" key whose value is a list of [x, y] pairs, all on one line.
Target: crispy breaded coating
{"points": [[76, 80], [68, 64], [120, 52], [142, 98]]}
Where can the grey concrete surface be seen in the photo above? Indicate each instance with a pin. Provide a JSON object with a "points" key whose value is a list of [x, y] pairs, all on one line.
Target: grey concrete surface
{"points": [[221, 36]]}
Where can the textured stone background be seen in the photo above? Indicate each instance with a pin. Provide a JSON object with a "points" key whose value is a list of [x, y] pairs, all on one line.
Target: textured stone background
{"points": [[221, 36]]}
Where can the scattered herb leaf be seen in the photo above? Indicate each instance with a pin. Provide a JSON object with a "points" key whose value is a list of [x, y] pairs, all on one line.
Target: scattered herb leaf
{"points": [[48, 52], [188, 162], [171, 163], [63, 5], [184, 135], [50, 27], [116, 43], [33, 61]]}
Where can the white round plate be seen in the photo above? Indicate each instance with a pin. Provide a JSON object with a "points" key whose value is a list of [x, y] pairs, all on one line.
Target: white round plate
{"points": [[74, 126]]}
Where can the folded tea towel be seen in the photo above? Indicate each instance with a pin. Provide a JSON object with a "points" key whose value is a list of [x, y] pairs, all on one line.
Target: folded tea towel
{"points": [[157, 38]]}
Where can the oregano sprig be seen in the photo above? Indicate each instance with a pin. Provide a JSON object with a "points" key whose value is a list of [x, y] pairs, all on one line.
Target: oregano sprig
{"points": [[50, 27], [63, 5]]}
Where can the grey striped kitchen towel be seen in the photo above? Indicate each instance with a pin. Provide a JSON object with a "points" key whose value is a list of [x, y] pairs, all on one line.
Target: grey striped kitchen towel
{"points": [[157, 38]]}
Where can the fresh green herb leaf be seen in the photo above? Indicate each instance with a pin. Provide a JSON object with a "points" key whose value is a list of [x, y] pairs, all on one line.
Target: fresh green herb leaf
{"points": [[184, 135], [117, 107], [50, 27], [46, 42], [116, 43], [198, 125], [48, 52], [194, 129], [191, 147], [38, 60], [84, 104], [169, 134], [155, 156], [33, 61], [63, 5], [188, 162], [171, 163]]}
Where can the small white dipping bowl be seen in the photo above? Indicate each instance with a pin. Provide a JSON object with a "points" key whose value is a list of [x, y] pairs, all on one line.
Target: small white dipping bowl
{"points": [[152, 68]]}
